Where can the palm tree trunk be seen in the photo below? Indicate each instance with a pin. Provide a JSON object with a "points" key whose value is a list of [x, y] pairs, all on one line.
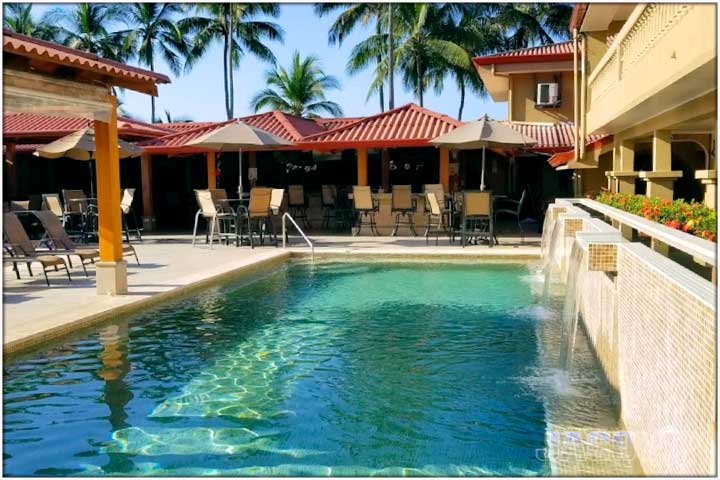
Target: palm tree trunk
{"points": [[391, 59], [420, 83], [152, 97], [225, 78], [381, 95], [461, 84], [231, 85]]}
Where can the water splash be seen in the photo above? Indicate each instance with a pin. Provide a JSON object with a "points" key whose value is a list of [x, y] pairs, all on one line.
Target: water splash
{"points": [[571, 310]]}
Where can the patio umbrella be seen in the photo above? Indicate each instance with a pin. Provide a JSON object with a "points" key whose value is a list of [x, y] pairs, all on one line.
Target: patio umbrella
{"points": [[235, 136], [481, 134], [80, 145]]}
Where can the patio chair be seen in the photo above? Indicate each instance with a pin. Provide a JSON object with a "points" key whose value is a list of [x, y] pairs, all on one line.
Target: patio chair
{"points": [[277, 208], [258, 213], [477, 216], [435, 218], [328, 201], [403, 205], [75, 202], [126, 208], [60, 243], [51, 202], [297, 204], [439, 191], [22, 249], [213, 216], [19, 205], [506, 208], [365, 207]]}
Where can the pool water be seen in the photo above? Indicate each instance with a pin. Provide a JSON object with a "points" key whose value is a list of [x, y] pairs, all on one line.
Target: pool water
{"points": [[326, 369]]}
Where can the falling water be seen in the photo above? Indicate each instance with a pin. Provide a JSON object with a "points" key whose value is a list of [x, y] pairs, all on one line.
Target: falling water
{"points": [[549, 260], [571, 308]]}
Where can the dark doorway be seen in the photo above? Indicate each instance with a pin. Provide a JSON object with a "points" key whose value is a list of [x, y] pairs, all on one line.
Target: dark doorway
{"points": [[174, 182]]}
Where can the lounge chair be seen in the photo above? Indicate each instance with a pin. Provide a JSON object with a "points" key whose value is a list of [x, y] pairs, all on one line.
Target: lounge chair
{"points": [[477, 216], [210, 212], [51, 201], [403, 205], [60, 243], [22, 249], [297, 204], [126, 208], [365, 206], [435, 218]]}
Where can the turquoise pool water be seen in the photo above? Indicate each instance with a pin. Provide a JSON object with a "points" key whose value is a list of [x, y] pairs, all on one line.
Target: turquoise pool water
{"points": [[327, 369]]}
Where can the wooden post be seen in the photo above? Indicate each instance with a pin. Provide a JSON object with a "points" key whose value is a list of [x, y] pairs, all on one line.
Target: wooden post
{"points": [[252, 163], [11, 171], [111, 269], [386, 169], [211, 171], [148, 217], [445, 168], [362, 167]]}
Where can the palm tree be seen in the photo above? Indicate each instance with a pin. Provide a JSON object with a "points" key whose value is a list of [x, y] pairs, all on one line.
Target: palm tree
{"points": [[533, 23], [300, 91], [427, 50], [18, 18], [154, 32], [235, 27], [87, 27], [471, 27], [372, 51]]}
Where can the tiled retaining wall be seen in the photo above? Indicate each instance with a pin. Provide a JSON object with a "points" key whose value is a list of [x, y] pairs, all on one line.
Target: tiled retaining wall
{"points": [[652, 326], [666, 364]]}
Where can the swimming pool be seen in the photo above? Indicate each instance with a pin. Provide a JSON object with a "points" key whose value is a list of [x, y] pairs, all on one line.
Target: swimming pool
{"points": [[325, 369]]}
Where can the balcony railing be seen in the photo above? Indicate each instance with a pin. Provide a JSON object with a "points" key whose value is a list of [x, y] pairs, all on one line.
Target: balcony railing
{"points": [[663, 57]]}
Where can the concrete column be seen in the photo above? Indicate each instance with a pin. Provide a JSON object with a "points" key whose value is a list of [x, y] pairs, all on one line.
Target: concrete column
{"points": [[111, 270], [660, 180], [211, 171], [385, 170], [709, 179], [362, 167], [445, 168], [148, 216], [627, 174], [11, 171]]}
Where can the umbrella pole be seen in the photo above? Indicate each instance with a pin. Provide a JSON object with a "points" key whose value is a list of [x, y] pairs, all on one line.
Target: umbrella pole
{"points": [[240, 190], [92, 187], [482, 172]]}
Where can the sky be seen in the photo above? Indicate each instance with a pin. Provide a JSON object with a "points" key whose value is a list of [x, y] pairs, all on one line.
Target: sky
{"points": [[198, 95]]}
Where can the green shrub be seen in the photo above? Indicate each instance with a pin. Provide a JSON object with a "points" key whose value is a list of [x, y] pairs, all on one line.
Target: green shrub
{"points": [[693, 217]]}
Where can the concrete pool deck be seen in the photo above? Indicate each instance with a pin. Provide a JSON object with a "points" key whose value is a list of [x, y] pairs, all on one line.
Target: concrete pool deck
{"points": [[171, 267]]}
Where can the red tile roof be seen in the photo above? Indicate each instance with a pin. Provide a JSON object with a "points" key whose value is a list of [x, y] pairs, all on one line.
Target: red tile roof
{"points": [[546, 53], [54, 53], [409, 125], [36, 126], [289, 127], [551, 137], [184, 126], [563, 158], [177, 142], [334, 122]]}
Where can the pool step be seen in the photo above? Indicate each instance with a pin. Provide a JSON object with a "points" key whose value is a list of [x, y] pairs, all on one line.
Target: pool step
{"points": [[152, 441]]}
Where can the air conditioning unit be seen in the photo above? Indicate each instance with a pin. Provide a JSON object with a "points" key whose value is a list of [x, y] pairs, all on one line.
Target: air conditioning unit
{"points": [[547, 95]]}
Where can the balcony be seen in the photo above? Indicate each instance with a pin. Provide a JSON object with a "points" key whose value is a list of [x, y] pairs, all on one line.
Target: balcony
{"points": [[663, 57]]}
